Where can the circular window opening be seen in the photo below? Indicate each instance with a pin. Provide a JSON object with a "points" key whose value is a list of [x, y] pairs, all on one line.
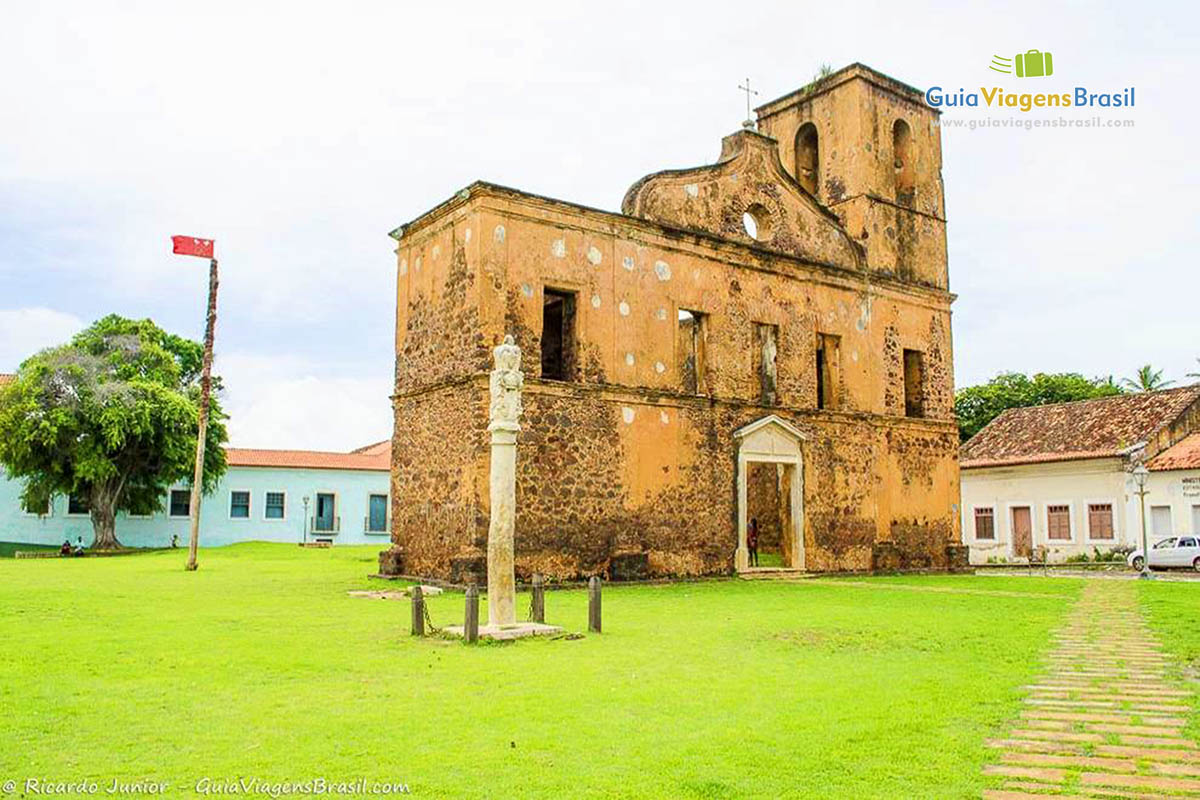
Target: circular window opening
{"points": [[757, 223]]}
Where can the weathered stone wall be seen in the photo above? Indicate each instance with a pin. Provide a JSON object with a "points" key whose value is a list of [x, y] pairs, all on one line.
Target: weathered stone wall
{"points": [[854, 112], [439, 461]]}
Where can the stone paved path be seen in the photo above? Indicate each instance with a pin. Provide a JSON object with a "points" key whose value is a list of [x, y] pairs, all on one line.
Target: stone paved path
{"points": [[1103, 721]]}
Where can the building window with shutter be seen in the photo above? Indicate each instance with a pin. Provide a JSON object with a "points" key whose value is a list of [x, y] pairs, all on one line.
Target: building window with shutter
{"points": [[181, 503], [239, 505], [377, 513], [1100, 521], [985, 523], [1058, 522], [275, 506]]}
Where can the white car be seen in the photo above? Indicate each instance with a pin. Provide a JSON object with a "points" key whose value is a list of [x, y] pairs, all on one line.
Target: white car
{"points": [[1178, 551]]}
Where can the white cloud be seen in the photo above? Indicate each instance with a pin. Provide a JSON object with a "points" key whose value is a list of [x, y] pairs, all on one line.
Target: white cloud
{"points": [[292, 403], [24, 331]]}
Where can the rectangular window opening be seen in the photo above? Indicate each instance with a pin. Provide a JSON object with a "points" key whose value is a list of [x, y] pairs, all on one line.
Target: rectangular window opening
{"points": [[558, 335], [1058, 522], [828, 367], [914, 383], [377, 513], [275, 506], [181, 503], [1100, 520], [766, 351], [985, 523], [690, 350], [1160, 520], [239, 505], [77, 505]]}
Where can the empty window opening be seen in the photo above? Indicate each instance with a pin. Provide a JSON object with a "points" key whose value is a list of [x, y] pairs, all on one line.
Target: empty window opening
{"points": [[985, 523], [1100, 520], [1058, 522], [757, 223], [828, 367], [766, 350], [808, 158], [689, 348], [904, 169], [558, 335], [914, 383]]}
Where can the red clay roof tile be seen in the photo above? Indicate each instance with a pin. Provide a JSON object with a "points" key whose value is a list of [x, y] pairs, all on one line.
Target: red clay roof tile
{"points": [[1184, 454], [373, 457], [1099, 428]]}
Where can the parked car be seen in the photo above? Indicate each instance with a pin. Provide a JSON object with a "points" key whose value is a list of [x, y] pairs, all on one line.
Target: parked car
{"points": [[1178, 551]]}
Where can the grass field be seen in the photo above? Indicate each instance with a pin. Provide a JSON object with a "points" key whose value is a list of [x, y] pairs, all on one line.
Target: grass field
{"points": [[1174, 611], [260, 666]]}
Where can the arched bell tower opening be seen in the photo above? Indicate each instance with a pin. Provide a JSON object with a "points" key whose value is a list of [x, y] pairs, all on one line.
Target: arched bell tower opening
{"points": [[905, 169], [808, 158]]}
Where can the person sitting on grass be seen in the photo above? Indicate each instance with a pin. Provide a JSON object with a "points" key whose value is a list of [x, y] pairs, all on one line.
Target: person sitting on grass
{"points": [[65, 550], [752, 541], [79, 546]]}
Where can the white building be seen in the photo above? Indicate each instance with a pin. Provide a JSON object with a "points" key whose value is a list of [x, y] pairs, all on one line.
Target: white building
{"points": [[1059, 476]]}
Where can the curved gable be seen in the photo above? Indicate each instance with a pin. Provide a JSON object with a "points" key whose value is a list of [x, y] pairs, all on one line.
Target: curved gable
{"points": [[748, 177]]}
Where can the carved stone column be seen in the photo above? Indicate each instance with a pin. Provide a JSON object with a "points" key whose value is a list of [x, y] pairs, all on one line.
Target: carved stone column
{"points": [[504, 414]]}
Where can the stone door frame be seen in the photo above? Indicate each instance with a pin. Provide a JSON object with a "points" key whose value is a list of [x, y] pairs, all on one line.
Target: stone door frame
{"points": [[770, 440]]}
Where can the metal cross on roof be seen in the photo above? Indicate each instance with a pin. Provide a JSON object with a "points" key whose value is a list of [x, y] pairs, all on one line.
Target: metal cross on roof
{"points": [[749, 123]]}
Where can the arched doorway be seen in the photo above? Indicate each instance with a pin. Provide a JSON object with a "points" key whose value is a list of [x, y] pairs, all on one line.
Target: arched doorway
{"points": [[776, 445]]}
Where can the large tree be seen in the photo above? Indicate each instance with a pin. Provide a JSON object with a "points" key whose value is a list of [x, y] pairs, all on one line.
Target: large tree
{"points": [[976, 406], [110, 417]]}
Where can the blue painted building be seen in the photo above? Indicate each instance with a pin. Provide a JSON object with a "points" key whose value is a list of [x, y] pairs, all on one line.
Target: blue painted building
{"points": [[266, 495]]}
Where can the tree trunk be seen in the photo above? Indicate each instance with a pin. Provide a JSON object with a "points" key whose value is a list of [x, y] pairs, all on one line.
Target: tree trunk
{"points": [[103, 509]]}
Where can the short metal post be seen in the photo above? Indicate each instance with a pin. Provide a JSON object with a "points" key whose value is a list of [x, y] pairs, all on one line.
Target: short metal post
{"points": [[471, 615], [594, 604], [418, 612], [537, 606]]}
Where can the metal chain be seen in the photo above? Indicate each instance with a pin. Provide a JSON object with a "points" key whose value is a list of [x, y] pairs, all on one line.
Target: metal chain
{"points": [[429, 626]]}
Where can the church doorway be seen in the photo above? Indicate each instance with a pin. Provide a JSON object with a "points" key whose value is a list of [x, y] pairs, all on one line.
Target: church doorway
{"points": [[769, 508], [770, 493]]}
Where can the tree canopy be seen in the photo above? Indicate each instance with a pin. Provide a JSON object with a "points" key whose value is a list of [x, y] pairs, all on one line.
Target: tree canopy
{"points": [[976, 406], [111, 417]]}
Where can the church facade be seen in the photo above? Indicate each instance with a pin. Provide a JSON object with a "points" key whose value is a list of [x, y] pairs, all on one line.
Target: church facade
{"points": [[764, 339]]}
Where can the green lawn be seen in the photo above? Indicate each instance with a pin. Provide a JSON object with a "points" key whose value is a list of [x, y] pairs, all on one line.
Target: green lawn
{"points": [[1174, 610], [259, 665]]}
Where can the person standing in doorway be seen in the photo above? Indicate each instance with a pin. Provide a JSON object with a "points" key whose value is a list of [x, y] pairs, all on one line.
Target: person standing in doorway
{"points": [[752, 541]]}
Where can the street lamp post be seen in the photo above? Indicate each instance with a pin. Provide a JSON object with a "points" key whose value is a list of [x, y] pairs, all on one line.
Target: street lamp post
{"points": [[1140, 474], [305, 540]]}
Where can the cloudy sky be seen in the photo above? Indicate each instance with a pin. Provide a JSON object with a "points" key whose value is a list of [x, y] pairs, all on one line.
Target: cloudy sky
{"points": [[297, 134]]}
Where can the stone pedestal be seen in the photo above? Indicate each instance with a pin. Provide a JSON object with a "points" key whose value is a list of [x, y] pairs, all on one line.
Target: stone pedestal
{"points": [[518, 630]]}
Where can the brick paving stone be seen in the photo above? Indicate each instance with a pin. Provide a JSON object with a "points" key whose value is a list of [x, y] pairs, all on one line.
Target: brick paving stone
{"points": [[1140, 782], [1104, 721]]}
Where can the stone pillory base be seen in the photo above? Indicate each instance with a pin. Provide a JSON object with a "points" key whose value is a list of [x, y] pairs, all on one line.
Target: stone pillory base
{"points": [[763, 342]]}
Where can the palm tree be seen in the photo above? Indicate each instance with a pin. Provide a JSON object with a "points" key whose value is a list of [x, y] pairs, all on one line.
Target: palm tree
{"points": [[1194, 374], [1148, 379]]}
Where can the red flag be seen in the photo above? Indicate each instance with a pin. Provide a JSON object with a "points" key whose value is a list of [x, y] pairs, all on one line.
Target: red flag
{"points": [[191, 246]]}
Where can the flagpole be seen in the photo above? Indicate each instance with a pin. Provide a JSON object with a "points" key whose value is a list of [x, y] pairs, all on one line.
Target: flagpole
{"points": [[202, 432]]}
